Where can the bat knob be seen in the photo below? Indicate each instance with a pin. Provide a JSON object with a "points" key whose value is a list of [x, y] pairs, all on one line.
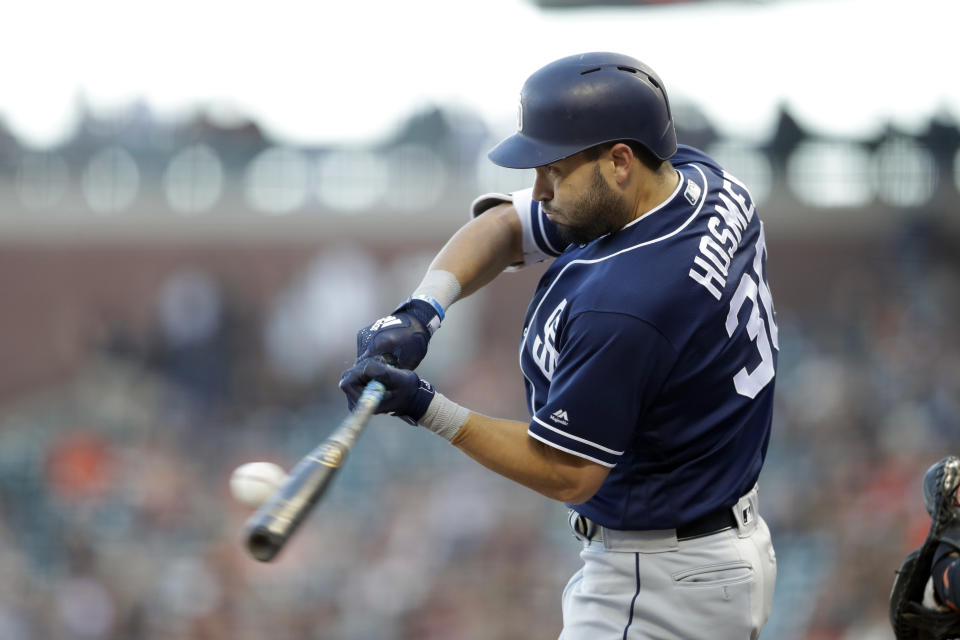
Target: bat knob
{"points": [[263, 544]]}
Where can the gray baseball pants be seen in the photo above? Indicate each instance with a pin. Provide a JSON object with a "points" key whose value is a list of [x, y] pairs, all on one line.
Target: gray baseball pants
{"points": [[648, 585]]}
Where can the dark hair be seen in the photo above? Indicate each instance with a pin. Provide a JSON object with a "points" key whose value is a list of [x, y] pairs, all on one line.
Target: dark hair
{"points": [[649, 160]]}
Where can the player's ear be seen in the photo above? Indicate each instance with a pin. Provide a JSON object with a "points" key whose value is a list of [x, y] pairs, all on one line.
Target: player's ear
{"points": [[623, 161]]}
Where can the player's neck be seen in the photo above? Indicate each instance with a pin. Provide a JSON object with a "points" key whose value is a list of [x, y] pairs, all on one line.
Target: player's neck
{"points": [[655, 189]]}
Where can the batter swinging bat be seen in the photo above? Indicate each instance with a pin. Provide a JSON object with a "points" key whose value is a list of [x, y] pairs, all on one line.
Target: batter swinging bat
{"points": [[269, 528]]}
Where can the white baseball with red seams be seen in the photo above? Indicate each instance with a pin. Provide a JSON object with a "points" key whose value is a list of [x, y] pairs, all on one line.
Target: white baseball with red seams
{"points": [[253, 482]]}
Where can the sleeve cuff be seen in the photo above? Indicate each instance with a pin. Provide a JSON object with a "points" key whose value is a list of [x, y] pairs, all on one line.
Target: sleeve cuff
{"points": [[572, 444]]}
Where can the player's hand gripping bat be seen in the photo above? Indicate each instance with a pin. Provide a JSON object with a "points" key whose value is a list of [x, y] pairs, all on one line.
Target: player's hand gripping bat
{"points": [[269, 528]]}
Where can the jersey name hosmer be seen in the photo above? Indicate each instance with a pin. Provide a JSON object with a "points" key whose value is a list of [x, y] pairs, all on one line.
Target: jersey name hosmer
{"points": [[711, 265]]}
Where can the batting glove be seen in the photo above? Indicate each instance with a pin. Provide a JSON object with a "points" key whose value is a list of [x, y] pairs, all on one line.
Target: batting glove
{"points": [[404, 334], [408, 396]]}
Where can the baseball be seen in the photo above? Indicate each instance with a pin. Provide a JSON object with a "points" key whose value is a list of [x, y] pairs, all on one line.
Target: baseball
{"points": [[253, 482]]}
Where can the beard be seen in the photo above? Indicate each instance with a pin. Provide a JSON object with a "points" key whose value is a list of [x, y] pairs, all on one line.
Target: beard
{"points": [[598, 212]]}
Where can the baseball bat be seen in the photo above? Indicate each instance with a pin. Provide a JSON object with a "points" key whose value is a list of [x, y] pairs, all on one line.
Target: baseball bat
{"points": [[270, 527]]}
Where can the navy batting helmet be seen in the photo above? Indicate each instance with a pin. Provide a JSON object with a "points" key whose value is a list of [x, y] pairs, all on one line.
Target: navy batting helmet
{"points": [[584, 100]]}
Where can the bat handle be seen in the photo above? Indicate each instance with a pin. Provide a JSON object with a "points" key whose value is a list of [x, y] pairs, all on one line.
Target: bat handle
{"points": [[389, 358], [372, 395]]}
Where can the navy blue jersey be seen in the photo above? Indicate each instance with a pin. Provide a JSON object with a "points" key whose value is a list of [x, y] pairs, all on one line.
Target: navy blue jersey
{"points": [[652, 350]]}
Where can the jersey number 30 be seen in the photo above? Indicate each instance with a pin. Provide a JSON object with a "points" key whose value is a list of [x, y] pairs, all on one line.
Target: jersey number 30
{"points": [[762, 334]]}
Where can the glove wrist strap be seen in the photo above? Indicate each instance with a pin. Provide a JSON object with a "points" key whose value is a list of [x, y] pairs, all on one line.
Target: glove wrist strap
{"points": [[433, 303], [423, 309], [444, 417]]}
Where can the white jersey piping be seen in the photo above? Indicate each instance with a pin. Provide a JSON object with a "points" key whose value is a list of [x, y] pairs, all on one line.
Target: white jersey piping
{"points": [[578, 439]]}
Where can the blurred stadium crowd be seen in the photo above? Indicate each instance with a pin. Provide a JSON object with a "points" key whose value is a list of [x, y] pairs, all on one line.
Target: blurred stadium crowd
{"points": [[139, 372]]}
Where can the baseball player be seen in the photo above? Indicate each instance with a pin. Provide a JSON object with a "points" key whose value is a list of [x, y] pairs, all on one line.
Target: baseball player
{"points": [[649, 352], [925, 600]]}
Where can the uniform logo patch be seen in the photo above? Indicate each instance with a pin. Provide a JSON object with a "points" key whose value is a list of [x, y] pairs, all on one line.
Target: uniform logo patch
{"points": [[692, 192], [560, 417]]}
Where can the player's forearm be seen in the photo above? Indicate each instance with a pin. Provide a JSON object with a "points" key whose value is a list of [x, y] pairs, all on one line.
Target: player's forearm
{"points": [[474, 256], [482, 249], [505, 447]]}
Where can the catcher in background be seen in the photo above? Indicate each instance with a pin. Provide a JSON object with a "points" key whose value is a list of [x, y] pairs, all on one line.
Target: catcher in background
{"points": [[925, 601]]}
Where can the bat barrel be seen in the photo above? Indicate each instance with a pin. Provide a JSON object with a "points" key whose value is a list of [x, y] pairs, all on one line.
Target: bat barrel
{"points": [[274, 522], [269, 528]]}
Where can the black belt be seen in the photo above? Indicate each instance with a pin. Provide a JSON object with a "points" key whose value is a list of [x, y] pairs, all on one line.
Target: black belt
{"points": [[713, 522]]}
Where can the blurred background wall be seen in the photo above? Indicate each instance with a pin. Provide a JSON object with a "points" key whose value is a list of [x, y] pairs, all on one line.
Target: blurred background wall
{"points": [[180, 294]]}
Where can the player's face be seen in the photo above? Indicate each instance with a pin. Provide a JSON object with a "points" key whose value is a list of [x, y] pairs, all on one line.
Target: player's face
{"points": [[578, 199]]}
